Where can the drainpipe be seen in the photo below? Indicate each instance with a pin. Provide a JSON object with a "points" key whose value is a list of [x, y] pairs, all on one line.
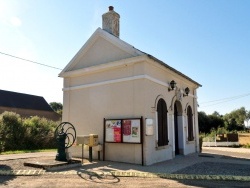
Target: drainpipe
{"points": [[196, 126]]}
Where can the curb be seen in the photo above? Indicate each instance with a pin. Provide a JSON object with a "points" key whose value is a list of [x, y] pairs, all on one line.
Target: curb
{"points": [[127, 174], [21, 172], [180, 176]]}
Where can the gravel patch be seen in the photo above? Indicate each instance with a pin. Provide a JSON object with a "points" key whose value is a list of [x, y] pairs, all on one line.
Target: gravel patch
{"points": [[213, 168], [15, 164]]}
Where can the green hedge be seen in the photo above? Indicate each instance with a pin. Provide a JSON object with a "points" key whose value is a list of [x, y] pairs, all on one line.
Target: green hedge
{"points": [[24, 134]]}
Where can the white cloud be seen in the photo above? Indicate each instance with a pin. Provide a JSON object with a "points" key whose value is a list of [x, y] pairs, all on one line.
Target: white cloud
{"points": [[15, 21], [8, 13], [3, 7]]}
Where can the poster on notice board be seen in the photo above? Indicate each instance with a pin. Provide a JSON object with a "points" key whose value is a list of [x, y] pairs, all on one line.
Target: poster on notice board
{"points": [[131, 130], [113, 130]]}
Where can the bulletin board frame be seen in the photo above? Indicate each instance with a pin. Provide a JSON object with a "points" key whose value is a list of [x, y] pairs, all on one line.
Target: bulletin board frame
{"points": [[123, 131], [126, 130]]}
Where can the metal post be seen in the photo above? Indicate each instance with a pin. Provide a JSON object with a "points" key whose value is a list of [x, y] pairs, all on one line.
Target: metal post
{"points": [[99, 155], [90, 154], [82, 152]]}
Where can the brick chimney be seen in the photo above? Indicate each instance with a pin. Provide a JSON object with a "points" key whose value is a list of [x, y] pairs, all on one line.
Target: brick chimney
{"points": [[110, 22]]}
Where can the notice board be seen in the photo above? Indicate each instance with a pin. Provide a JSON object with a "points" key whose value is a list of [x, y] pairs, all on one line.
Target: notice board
{"points": [[123, 130]]}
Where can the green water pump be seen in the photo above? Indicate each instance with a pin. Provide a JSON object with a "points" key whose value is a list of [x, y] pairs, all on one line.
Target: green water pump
{"points": [[65, 135]]}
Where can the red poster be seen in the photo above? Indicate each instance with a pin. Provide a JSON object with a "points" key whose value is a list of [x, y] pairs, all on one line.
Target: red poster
{"points": [[117, 134], [126, 127]]}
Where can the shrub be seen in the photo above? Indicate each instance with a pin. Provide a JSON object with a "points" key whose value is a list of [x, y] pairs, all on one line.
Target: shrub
{"points": [[40, 133], [1, 145], [22, 134], [11, 130], [222, 130], [246, 145]]}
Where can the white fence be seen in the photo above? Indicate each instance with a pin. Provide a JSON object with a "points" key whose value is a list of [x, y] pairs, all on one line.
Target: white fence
{"points": [[211, 142]]}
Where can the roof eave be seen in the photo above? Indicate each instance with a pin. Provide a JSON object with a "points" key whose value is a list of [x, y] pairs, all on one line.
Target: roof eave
{"points": [[174, 70]]}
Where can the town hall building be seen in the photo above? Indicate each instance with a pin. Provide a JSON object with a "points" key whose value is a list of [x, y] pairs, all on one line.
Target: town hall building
{"points": [[142, 110]]}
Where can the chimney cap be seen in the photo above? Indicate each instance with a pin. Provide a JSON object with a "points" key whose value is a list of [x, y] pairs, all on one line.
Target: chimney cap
{"points": [[111, 8]]}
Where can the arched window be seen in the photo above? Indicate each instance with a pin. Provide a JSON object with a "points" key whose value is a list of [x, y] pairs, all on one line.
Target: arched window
{"points": [[162, 123], [190, 124]]}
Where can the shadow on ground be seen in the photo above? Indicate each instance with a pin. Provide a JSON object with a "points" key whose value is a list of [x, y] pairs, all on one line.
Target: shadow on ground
{"points": [[5, 178], [207, 164], [203, 164], [98, 177], [196, 164]]}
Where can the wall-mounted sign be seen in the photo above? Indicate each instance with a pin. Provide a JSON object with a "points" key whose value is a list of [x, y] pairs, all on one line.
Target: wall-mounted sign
{"points": [[123, 130], [149, 127]]}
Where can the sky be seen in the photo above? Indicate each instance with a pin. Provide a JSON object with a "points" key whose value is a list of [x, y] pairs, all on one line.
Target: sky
{"points": [[207, 40]]}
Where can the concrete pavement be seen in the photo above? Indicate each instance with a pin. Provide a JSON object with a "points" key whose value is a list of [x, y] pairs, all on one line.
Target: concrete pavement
{"points": [[228, 159]]}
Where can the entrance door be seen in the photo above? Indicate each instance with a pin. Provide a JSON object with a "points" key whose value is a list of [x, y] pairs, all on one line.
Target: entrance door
{"points": [[176, 130]]}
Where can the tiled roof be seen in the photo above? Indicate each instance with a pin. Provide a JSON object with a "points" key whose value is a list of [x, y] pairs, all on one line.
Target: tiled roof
{"points": [[24, 101]]}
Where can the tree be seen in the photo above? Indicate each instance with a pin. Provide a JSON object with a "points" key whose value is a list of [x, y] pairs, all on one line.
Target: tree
{"points": [[57, 107], [235, 119], [203, 122], [215, 120], [248, 115], [208, 122], [216, 114], [232, 125]]}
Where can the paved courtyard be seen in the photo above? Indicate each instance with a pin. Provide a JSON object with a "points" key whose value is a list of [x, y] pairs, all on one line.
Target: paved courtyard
{"points": [[212, 168]]}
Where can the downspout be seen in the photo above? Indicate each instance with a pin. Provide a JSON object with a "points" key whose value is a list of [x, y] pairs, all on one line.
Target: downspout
{"points": [[196, 127]]}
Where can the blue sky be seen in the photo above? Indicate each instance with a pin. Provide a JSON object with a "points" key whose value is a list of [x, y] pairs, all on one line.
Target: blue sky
{"points": [[207, 40]]}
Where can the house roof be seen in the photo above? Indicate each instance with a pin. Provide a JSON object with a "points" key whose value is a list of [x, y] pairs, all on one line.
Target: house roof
{"points": [[24, 101], [122, 45]]}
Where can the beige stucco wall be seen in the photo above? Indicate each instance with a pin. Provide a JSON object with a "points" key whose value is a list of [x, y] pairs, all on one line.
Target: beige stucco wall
{"points": [[107, 75], [154, 90], [86, 107], [97, 54]]}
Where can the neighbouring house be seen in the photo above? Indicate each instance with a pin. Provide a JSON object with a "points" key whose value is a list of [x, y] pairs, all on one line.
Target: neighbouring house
{"points": [[26, 105], [142, 110]]}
